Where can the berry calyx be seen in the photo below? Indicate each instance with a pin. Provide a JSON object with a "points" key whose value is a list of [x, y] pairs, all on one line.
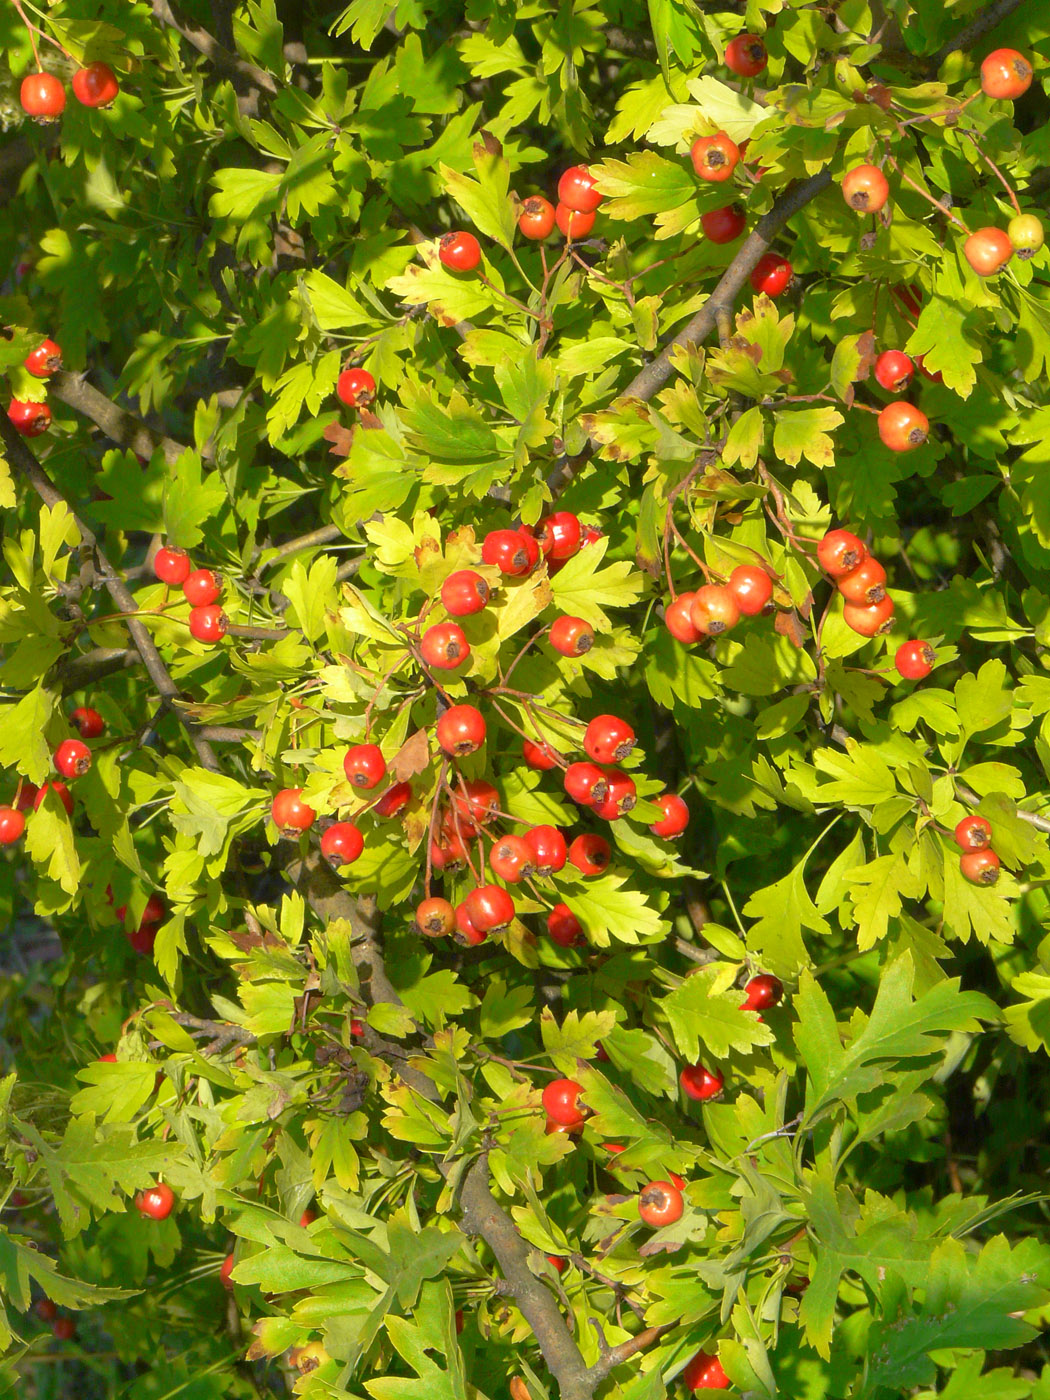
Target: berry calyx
{"points": [[621, 798], [42, 96], [660, 1203], [772, 274], [590, 854], [564, 927], [507, 551], [61, 792], [762, 992], [201, 588], [751, 587], [96, 85], [988, 251], [678, 619], [839, 553], [714, 157], [571, 636], [541, 757], [608, 739], [577, 190], [490, 908], [973, 833], [445, 646], [156, 1203], [894, 370], [586, 784], [979, 867], [290, 813], [460, 251], [12, 825], [364, 766], [675, 817], [536, 219], [560, 534], [510, 858], [435, 918], [746, 55], [88, 721], [1005, 73], [548, 849], [573, 223], [561, 1102], [72, 758], [915, 660], [464, 593], [902, 426], [45, 360], [700, 1083], [705, 1372], [865, 188], [341, 844], [208, 624], [714, 610], [723, 225], [394, 800], [29, 418], [1026, 236], [871, 619], [865, 584], [171, 565], [355, 387]]}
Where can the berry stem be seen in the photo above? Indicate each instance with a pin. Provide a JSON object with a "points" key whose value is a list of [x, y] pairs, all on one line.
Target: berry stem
{"points": [[995, 170], [948, 213], [432, 826]]}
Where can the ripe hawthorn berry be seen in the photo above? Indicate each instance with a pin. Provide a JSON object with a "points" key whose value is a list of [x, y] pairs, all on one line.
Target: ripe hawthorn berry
{"points": [[608, 739], [96, 85], [72, 758], [1005, 73], [561, 1102], [355, 387], [208, 624], [536, 219], [467, 932], [915, 660], [572, 222], [563, 927], [510, 858], [12, 825], [63, 1329], [341, 844], [560, 534], [25, 799], [46, 1310], [979, 867], [459, 251], [621, 798], [88, 721], [746, 55], [988, 251], [475, 802], [714, 157], [864, 585], [705, 1372], [865, 188], [1026, 236], [762, 992], [894, 370], [394, 800], [61, 792], [290, 813], [45, 360], [714, 610], [156, 1203], [447, 852], [723, 225], [871, 619], [541, 756], [490, 908], [435, 918], [660, 1203], [586, 783], [973, 833], [225, 1271], [571, 636], [590, 854], [577, 190], [461, 730], [678, 619], [364, 766], [28, 418], [464, 593], [675, 817], [772, 274], [356, 1028], [42, 96], [752, 588], [839, 553], [507, 551], [171, 565], [201, 588], [700, 1083], [902, 426], [548, 849], [445, 646]]}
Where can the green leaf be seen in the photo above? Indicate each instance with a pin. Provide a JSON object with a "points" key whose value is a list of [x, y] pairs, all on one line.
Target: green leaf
{"points": [[576, 1038], [700, 1013], [804, 432]]}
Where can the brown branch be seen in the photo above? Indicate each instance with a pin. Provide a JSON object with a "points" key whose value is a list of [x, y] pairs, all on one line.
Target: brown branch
{"points": [[613, 1356], [227, 734], [244, 76], [117, 423], [987, 19], [77, 672], [256, 634], [25, 462], [324, 534]]}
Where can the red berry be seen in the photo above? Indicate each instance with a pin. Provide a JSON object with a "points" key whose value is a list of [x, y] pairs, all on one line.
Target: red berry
{"points": [[700, 1083], [591, 535], [507, 551], [660, 1203], [715, 157], [746, 55], [157, 1202], [869, 620], [225, 1271], [839, 553], [201, 588], [46, 1310], [979, 867], [621, 798], [585, 783], [25, 801], [466, 930], [109, 1059], [539, 756], [28, 418], [45, 360], [209, 623], [364, 766], [12, 825], [762, 992], [865, 189], [751, 587], [973, 833], [536, 219], [576, 190], [714, 610], [61, 792], [678, 619], [307, 1218], [357, 1028], [355, 387], [705, 1372], [988, 251], [556, 1262], [63, 1329], [171, 565], [915, 660], [290, 813], [548, 849], [142, 938], [675, 817], [464, 593], [590, 854], [475, 802], [394, 800], [42, 96], [723, 225], [772, 274], [96, 85], [461, 730], [865, 584], [894, 370], [608, 739], [560, 534], [435, 918], [460, 251], [1005, 73], [572, 222], [571, 636], [490, 908], [561, 1102], [448, 853], [72, 758], [445, 646], [564, 927], [88, 721], [510, 858], [341, 844]]}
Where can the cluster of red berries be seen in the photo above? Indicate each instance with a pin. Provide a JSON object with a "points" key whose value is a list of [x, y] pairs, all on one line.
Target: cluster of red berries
{"points": [[43, 95], [63, 1328], [28, 416], [72, 759], [868, 608], [978, 863], [201, 587], [144, 936], [717, 607]]}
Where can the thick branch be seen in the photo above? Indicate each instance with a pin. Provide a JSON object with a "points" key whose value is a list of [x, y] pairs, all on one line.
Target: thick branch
{"points": [[243, 75], [615, 1356], [80, 671], [24, 461], [122, 427]]}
